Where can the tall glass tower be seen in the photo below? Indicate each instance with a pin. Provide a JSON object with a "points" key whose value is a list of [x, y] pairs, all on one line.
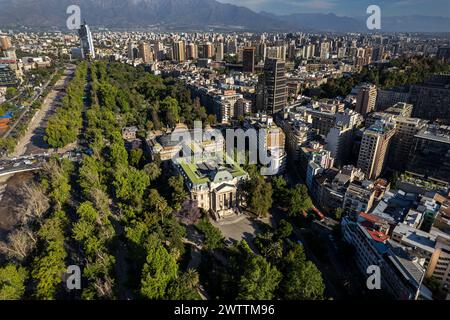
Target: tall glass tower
{"points": [[87, 44]]}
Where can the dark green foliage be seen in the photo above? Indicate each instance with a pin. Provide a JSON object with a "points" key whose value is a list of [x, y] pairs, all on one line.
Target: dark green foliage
{"points": [[302, 280], [299, 200], [12, 280], [259, 281], [258, 193], [213, 236], [49, 265], [64, 125], [159, 270]]}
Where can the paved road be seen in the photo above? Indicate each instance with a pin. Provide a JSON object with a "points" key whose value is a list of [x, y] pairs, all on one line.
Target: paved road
{"points": [[26, 110], [33, 140], [238, 229]]}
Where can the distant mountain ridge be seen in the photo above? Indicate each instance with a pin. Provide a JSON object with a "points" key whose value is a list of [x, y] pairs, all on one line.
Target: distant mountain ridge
{"points": [[195, 14], [134, 13]]}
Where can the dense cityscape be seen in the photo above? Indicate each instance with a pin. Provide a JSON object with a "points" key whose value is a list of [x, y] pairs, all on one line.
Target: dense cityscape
{"points": [[127, 155]]}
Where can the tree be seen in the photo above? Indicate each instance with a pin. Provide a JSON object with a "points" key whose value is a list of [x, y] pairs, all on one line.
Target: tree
{"points": [[280, 191], [157, 205], [11, 93], [213, 236], [58, 174], [118, 154], [190, 213], [299, 200], [159, 270], [279, 183], [176, 183], [259, 280], [20, 244], [338, 213], [130, 184], [152, 170], [284, 230], [136, 157], [94, 231], [5, 107], [12, 280], [34, 205], [212, 119], [64, 125], [184, 287], [302, 280], [90, 175], [50, 264], [273, 251], [7, 144], [260, 194], [171, 111]]}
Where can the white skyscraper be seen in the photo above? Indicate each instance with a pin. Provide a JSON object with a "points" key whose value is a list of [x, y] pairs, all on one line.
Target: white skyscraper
{"points": [[86, 42]]}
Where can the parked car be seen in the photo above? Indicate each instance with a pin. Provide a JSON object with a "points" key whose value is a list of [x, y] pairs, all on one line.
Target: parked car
{"points": [[228, 242]]}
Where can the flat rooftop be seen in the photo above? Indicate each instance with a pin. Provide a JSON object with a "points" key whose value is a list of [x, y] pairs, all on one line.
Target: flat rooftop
{"points": [[441, 134], [415, 237]]}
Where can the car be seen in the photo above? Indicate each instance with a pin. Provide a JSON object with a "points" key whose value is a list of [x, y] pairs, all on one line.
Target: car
{"points": [[228, 242]]}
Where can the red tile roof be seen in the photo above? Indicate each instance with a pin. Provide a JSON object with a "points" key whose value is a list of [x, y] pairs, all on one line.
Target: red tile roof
{"points": [[377, 235]]}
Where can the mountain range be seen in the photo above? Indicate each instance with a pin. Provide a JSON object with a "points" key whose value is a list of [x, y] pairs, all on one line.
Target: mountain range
{"points": [[195, 15]]}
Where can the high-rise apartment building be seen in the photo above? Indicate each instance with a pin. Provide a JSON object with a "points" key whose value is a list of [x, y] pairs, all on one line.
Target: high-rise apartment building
{"points": [[145, 53], [431, 99], [324, 50], [273, 87], [366, 99], [249, 60], [191, 51], [430, 154], [402, 142], [444, 53], [131, 51], [208, 50], [386, 98], [159, 50], [86, 42], [219, 51], [5, 43], [374, 148], [342, 52], [179, 51], [277, 52]]}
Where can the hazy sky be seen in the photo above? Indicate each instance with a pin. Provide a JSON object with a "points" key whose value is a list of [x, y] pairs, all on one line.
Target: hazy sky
{"points": [[349, 7]]}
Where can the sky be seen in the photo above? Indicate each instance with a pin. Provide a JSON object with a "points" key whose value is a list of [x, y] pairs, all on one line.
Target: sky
{"points": [[354, 8]]}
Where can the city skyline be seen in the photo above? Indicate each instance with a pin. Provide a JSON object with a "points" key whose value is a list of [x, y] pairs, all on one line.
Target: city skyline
{"points": [[195, 150], [192, 15]]}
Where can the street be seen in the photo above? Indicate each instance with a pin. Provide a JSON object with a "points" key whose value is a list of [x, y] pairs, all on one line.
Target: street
{"points": [[32, 141]]}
